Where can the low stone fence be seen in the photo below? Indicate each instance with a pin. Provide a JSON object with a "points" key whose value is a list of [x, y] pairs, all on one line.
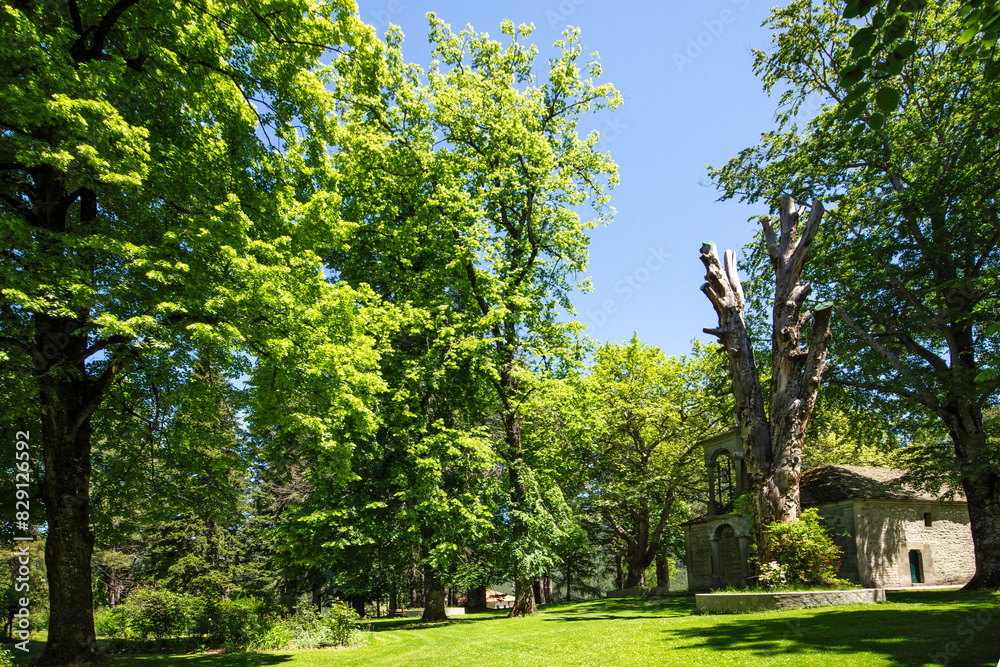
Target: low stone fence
{"points": [[731, 603]]}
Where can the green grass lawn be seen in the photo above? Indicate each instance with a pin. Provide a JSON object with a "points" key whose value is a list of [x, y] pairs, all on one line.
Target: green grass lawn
{"points": [[914, 628]]}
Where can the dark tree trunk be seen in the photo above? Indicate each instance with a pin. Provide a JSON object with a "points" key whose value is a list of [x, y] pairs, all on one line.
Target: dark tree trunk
{"points": [[67, 403], [434, 589], [569, 583], [433, 596], [773, 442], [662, 571], [547, 588], [524, 598], [414, 580], [358, 603], [393, 601], [981, 484], [475, 600]]}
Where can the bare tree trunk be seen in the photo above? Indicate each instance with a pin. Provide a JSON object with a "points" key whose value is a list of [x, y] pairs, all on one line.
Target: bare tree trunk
{"points": [[773, 442]]}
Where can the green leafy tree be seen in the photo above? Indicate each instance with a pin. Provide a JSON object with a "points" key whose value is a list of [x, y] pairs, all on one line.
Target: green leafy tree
{"points": [[653, 412], [911, 255], [492, 169], [145, 210], [872, 76]]}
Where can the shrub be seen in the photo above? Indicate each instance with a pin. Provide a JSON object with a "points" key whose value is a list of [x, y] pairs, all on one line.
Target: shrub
{"points": [[308, 628], [341, 621], [112, 623], [6, 658], [162, 613], [805, 553], [238, 623]]}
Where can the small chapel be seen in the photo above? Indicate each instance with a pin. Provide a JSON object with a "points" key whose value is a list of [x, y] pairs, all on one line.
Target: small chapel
{"points": [[891, 535]]}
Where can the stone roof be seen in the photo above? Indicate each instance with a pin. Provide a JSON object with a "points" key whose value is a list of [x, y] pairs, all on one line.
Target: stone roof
{"points": [[830, 483]]}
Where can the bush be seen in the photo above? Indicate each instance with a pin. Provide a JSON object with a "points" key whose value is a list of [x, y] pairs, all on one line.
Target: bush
{"points": [[805, 553], [238, 623], [6, 658], [162, 613], [341, 621], [308, 628], [112, 623]]}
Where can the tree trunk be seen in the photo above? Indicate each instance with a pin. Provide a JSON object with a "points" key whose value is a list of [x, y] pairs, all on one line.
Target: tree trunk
{"points": [[619, 579], [434, 589], [773, 442], [475, 600], [358, 603], [547, 588], [662, 571], [414, 596], [524, 598], [433, 596], [569, 588], [981, 484], [393, 601], [636, 577], [66, 430]]}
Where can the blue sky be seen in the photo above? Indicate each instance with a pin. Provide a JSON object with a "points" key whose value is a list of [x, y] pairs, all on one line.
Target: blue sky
{"points": [[691, 99]]}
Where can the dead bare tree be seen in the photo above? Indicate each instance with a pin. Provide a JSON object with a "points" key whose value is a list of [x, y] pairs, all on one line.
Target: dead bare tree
{"points": [[773, 440]]}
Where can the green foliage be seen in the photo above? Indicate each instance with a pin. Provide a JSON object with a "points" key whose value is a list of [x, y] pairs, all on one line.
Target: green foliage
{"points": [[236, 623], [6, 657], [337, 625], [162, 613], [651, 413], [805, 552]]}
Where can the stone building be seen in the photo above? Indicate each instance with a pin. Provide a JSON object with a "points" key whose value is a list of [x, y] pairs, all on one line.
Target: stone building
{"points": [[891, 535]]}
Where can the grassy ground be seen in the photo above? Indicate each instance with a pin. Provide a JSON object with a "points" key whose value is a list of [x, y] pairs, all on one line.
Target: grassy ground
{"points": [[912, 628]]}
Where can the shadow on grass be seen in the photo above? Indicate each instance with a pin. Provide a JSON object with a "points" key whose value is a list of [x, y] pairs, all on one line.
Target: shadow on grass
{"points": [[205, 660], [945, 628], [623, 608]]}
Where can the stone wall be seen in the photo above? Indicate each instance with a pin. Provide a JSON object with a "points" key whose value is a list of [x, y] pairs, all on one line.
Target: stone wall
{"points": [[729, 553], [698, 557], [888, 530], [839, 521]]}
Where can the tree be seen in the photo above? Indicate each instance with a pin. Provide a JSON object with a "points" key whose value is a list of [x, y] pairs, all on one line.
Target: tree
{"points": [[911, 256], [499, 169], [773, 440], [653, 412], [879, 51], [146, 211]]}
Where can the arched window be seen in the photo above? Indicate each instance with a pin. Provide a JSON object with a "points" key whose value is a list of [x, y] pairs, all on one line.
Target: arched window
{"points": [[723, 474]]}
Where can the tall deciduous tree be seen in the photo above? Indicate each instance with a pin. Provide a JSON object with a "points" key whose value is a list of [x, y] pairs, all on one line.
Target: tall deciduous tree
{"points": [[911, 254], [653, 412], [501, 170], [144, 211], [773, 440]]}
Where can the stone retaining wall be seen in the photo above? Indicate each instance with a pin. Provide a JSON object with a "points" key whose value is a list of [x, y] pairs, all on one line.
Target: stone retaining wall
{"points": [[731, 603]]}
